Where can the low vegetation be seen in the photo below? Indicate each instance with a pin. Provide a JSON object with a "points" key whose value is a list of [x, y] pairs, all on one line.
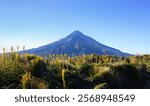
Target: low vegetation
{"points": [[28, 71]]}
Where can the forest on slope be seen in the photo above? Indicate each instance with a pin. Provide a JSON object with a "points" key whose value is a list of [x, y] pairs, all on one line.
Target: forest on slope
{"points": [[28, 71]]}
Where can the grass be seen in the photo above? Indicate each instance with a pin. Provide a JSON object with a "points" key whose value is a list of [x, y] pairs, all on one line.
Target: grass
{"points": [[28, 71]]}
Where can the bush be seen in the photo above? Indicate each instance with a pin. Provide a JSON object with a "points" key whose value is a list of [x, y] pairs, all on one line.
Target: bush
{"points": [[30, 82]]}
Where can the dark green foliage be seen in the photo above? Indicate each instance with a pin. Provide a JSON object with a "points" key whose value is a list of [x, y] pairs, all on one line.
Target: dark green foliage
{"points": [[129, 76], [75, 81], [9, 80], [40, 69], [86, 70]]}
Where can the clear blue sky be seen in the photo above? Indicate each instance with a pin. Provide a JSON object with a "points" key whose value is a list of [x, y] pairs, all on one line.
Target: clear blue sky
{"points": [[122, 24]]}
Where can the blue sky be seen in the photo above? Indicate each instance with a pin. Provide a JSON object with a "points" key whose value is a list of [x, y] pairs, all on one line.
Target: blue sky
{"points": [[122, 24]]}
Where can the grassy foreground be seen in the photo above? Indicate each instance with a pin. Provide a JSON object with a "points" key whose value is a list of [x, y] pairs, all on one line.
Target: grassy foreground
{"points": [[29, 71]]}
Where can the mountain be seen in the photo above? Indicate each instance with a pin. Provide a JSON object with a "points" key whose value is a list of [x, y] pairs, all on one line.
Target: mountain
{"points": [[75, 44]]}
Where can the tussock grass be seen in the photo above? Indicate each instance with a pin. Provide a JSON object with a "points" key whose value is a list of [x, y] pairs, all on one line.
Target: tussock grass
{"points": [[29, 71]]}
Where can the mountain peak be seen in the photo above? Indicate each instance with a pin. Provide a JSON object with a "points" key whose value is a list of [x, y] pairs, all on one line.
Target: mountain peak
{"points": [[76, 33]]}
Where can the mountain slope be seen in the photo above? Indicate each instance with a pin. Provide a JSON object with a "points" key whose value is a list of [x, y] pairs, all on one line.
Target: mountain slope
{"points": [[75, 44]]}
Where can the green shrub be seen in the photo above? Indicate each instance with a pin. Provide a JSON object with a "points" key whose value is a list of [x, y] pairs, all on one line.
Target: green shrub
{"points": [[30, 82]]}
